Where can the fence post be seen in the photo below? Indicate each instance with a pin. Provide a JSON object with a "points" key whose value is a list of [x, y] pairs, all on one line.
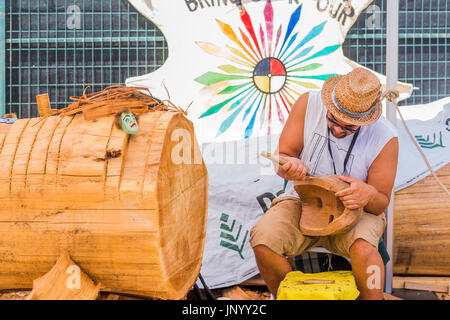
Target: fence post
{"points": [[2, 58], [391, 84]]}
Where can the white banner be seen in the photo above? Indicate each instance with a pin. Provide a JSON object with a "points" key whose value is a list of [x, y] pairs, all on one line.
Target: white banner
{"points": [[430, 126]]}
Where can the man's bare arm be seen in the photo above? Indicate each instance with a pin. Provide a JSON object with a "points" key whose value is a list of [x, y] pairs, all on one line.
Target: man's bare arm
{"points": [[374, 195], [381, 175], [291, 141]]}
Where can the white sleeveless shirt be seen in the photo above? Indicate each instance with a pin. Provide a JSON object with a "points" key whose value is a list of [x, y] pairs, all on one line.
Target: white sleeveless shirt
{"points": [[316, 157]]}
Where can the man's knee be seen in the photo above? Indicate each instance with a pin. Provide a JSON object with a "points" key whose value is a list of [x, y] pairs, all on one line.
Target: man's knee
{"points": [[262, 235], [278, 229], [362, 248], [262, 250]]}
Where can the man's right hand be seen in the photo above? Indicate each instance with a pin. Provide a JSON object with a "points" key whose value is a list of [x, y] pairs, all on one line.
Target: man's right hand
{"points": [[293, 169]]}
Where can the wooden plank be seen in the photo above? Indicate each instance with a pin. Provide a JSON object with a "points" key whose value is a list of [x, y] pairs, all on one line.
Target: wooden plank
{"points": [[398, 282], [43, 103], [426, 287], [422, 228]]}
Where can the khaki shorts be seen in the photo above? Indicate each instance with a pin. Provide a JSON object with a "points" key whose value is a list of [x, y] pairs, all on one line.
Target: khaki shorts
{"points": [[279, 229]]}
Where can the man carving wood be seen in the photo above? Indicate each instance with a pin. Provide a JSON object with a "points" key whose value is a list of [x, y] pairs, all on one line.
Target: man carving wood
{"points": [[338, 130]]}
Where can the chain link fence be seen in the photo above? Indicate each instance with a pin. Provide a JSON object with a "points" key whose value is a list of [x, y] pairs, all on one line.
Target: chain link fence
{"points": [[60, 47]]}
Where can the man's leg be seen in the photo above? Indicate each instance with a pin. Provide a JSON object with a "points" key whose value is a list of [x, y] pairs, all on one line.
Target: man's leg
{"points": [[368, 269], [360, 244], [272, 267], [276, 234]]}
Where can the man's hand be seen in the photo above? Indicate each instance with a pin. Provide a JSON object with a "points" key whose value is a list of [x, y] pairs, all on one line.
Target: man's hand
{"points": [[293, 169], [357, 195]]}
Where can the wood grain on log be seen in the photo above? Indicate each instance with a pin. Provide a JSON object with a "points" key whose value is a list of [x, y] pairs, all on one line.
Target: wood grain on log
{"points": [[135, 222]]}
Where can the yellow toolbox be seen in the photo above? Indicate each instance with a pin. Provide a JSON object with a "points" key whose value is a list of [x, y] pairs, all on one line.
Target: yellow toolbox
{"points": [[333, 285]]}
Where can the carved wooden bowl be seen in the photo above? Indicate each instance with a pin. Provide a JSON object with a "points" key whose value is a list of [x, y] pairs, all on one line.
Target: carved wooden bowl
{"points": [[323, 213]]}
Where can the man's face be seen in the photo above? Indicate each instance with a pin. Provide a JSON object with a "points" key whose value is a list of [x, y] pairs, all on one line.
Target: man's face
{"points": [[338, 128]]}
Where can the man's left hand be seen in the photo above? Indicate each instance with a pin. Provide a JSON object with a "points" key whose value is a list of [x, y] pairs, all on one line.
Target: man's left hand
{"points": [[357, 195]]}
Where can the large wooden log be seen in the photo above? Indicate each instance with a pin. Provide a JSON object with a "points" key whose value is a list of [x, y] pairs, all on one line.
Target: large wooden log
{"points": [[422, 227], [132, 218]]}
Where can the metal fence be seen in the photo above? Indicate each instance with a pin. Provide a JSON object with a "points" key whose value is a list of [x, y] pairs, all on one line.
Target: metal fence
{"points": [[61, 46], [424, 51]]}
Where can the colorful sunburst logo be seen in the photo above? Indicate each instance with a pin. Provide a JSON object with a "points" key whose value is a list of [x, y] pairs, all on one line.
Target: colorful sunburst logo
{"points": [[264, 74]]}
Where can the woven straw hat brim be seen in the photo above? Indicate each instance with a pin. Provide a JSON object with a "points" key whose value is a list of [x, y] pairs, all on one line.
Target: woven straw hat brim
{"points": [[327, 91]]}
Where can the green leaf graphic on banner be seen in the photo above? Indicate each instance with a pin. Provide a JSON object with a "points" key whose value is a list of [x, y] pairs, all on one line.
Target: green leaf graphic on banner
{"points": [[426, 143], [230, 241]]}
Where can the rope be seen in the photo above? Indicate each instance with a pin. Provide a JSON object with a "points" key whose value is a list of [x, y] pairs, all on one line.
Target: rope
{"points": [[391, 96]]}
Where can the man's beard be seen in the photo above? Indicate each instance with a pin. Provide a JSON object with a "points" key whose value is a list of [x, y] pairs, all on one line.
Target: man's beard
{"points": [[340, 135]]}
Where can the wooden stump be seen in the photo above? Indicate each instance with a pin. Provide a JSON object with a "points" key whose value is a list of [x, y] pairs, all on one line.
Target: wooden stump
{"points": [[132, 218]]}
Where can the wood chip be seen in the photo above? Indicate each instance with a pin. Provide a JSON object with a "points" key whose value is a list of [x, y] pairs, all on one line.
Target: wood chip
{"points": [[43, 103], [399, 281], [65, 281]]}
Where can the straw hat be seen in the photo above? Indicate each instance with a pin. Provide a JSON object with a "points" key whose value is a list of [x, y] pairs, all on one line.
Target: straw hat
{"points": [[353, 98]]}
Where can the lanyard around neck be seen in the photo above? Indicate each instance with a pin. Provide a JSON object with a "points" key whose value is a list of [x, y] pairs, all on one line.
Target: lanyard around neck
{"points": [[347, 157]]}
